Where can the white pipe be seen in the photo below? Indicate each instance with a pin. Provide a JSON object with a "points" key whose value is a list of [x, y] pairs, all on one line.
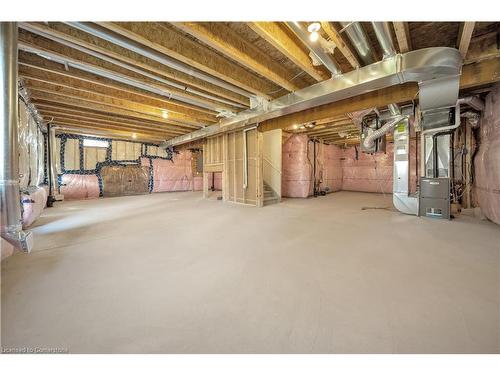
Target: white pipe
{"points": [[11, 223], [245, 157]]}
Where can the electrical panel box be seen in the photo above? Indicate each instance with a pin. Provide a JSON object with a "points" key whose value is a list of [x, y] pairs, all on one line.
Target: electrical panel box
{"points": [[368, 127], [434, 197]]}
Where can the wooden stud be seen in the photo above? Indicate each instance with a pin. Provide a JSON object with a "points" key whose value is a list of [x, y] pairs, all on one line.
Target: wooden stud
{"points": [[57, 30], [336, 38], [223, 39], [283, 41], [172, 43], [403, 36], [464, 37]]}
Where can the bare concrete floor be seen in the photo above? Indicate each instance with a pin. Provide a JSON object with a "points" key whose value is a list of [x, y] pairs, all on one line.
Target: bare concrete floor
{"points": [[173, 273]]}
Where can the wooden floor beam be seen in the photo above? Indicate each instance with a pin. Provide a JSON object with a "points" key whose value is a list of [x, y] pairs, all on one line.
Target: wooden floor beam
{"points": [[282, 39], [223, 39]]}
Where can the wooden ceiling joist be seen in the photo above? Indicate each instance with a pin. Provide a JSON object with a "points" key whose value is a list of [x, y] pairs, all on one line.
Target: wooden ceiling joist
{"points": [[177, 112], [403, 36], [50, 88], [31, 62], [93, 130], [59, 31], [221, 38], [281, 39], [172, 43], [464, 37], [37, 95], [336, 38], [85, 113], [28, 41], [86, 119], [99, 125]]}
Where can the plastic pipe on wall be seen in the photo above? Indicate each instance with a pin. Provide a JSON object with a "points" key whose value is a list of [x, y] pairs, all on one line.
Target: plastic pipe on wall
{"points": [[9, 173]]}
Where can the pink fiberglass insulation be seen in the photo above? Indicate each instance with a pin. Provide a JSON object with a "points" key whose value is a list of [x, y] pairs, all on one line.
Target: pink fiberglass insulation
{"points": [[197, 183], [487, 159], [296, 167], [328, 168], [80, 186], [173, 175], [33, 205], [372, 173]]}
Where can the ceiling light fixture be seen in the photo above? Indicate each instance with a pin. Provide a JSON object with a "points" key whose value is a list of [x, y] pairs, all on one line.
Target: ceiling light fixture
{"points": [[164, 113], [134, 135], [314, 27]]}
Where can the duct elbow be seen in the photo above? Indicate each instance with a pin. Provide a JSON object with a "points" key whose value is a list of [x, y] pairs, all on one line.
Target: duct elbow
{"points": [[21, 240]]}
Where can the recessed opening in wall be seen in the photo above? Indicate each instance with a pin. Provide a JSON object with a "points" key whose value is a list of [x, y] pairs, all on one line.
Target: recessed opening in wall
{"points": [[95, 143]]}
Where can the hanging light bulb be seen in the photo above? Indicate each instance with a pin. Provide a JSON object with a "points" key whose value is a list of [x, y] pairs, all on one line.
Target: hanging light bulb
{"points": [[314, 27], [134, 136], [313, 36], [164, 113]]}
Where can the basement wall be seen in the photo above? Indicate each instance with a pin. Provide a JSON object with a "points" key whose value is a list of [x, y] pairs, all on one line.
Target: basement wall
{"points": [[486, 184], [31, 170], [297, 167], [372, 173], [122, 168]]}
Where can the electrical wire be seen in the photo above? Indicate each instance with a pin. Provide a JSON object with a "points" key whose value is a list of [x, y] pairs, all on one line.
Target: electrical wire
{"points": [[291, 79]]}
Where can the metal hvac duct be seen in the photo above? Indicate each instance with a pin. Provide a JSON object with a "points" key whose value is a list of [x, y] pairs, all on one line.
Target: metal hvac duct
{"points": [[12, 229], [357, 35], [315, 48], [436, 70], [383, 33]]}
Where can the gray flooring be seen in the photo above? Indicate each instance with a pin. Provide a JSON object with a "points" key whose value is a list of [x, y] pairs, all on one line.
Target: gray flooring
{"points": [[173, 273]]}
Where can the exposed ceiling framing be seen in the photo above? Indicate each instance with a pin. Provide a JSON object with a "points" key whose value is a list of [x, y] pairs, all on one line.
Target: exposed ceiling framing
{"points": [[161, 80]]}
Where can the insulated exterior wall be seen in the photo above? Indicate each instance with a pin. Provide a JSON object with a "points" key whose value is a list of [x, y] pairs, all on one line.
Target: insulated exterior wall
{"points": [[372, 173], [79, 186], [92, 156], [33, 203], [124, 180], [296, 167], [72, 154], [487, 159], [173, 175], [298, 159]]}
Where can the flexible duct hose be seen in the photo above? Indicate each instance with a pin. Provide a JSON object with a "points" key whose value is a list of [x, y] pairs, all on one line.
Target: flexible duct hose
{"points": [[388, 126]]}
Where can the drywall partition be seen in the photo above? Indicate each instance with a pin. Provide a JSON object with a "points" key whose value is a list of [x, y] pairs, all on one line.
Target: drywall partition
{"points": [[272, 159], [243, 183], [487, 159]]}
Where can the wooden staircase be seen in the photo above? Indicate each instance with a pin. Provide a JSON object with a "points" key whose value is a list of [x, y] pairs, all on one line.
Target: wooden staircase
{"points": [[270, 197]]}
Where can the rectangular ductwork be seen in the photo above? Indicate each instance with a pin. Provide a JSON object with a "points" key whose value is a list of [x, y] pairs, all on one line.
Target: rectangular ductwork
{"points": [[436, 70]]}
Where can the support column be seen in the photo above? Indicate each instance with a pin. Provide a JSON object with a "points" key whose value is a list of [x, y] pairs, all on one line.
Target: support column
{"points": [[12, 230]]}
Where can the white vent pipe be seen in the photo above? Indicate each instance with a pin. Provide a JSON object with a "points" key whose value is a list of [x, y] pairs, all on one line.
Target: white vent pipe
{"points": [[12, 229]]}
